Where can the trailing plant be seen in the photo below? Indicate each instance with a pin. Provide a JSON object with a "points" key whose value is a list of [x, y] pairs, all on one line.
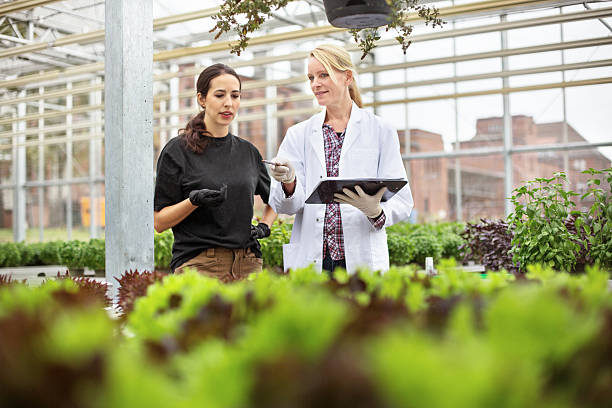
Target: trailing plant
{"points": [[246, 17], [541, 208], [489, 243]]}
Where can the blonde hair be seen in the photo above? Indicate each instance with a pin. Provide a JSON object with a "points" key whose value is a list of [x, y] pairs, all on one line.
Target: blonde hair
{"points": [[331, 56]]}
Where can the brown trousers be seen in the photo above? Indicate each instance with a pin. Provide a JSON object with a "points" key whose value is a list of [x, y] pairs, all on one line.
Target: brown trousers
{"points": [[225, 264]]}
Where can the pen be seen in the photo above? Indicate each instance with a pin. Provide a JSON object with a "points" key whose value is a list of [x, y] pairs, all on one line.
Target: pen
{"points": [[270, 162]]}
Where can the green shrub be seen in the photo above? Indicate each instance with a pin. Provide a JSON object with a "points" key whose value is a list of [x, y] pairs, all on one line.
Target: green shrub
{"points": [[11, 254], [596, 224], [446, 233], [541, 208], [28, 254], [94, 254], [451, 243], [49, 254], [73, 254], [400, 249], [272, 246], [425, 245], [163, 249]]}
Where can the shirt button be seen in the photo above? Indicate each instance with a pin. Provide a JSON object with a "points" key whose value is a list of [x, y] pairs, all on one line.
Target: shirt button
{"points": [[321, 177]]}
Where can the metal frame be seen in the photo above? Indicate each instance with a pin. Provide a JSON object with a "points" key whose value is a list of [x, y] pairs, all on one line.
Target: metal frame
{"points": [[92, 72]]}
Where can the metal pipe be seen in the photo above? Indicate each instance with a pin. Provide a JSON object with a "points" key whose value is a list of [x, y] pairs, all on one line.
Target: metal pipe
{"points": [[36, 78], [489, 151], [19, 5], [597, 81]]}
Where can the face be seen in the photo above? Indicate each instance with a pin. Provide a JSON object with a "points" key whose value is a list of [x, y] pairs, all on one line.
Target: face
{"points": [[222, 100], [324, 88]]}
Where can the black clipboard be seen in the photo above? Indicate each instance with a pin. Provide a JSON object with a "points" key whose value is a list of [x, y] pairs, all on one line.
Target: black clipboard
{"points": [[325, 190]]}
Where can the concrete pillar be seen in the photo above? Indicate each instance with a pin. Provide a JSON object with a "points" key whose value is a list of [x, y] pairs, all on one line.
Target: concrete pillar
{"points": [[95, 98], [271, 119], [19, 172], [41, 165], [68, 170], [128, 137]]}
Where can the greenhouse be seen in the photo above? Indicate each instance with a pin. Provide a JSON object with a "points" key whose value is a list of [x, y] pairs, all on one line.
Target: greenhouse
{"points": [[142, 142]]}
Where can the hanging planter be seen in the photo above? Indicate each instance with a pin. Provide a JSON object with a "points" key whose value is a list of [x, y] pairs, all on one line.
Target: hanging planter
{"points": [[362, 17], [357, 13]]}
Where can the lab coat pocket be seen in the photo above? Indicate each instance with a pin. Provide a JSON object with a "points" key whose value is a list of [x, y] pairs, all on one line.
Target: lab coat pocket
{"points": [[290, 253]]}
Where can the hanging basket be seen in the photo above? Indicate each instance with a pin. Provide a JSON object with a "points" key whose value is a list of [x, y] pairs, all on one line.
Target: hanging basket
{"points": [[357, 13]]}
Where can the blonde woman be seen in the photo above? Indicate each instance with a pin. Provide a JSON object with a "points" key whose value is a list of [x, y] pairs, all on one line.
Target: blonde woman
{"points": [[346, 141]]}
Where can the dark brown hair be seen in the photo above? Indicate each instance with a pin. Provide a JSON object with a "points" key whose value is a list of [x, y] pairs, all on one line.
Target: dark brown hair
{"points": [[194, 134]]}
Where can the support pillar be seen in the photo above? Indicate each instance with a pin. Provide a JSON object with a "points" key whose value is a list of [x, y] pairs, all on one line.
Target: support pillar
{"points": [[508, 170], [128, 135]]}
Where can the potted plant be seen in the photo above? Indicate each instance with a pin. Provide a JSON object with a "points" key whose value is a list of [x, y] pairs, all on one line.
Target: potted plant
{"points": [[362, 17]]}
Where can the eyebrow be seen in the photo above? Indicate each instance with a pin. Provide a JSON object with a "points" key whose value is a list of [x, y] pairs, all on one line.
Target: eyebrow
{"points": [[223, 90]]}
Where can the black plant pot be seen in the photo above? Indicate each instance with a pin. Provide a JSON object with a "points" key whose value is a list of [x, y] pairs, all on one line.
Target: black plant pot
{"points": [[357, 13]]}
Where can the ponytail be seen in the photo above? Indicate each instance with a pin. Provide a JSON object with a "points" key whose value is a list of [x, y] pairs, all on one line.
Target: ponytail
{"points": [[355, 94], [193, 133]]}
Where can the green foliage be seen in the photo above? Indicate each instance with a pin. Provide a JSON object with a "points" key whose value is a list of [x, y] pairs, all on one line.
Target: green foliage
{"points": [[11, 254], [425, 245], [73, 254], [49, 254], [29, 253], [95, 255], [548, 230], [541, 208], [596, 223], [163, 249], [272, 246], [400, 249], [446, 234], [370, 339]]}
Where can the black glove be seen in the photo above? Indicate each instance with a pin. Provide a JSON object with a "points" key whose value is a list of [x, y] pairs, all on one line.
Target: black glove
{"points": [[260, 231], [206, 197]]}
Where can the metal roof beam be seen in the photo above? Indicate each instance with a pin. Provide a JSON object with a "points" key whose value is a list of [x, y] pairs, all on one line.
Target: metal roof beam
{"points": [[20, 5]]}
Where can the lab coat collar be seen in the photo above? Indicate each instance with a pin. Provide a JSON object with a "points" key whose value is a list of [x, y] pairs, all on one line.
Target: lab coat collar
{"points": [[352, 132]]}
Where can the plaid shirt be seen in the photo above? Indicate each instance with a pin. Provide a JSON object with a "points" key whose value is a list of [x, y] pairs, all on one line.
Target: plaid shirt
{"points": [[333, 236]]}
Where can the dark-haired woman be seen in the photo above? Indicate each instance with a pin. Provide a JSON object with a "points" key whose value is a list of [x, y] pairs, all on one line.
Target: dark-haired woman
{"points": [[206, 182]]}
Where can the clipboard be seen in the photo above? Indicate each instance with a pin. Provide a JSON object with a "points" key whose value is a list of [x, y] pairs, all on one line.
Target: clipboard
{"points": [[325, 190]]}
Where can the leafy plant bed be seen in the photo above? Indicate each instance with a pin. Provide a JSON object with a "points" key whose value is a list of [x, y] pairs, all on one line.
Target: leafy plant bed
{"points": [[396, 340]]}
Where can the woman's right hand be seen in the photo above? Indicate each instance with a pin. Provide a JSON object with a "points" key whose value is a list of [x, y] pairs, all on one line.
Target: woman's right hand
{"points": [[283, 171], [207, 197]]}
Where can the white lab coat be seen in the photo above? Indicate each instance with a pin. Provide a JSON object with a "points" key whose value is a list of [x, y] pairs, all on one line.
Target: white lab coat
{"points": [[370, 149]]}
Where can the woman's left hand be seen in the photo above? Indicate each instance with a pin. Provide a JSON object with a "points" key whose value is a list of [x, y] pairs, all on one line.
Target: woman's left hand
{"points": [[367, 204], [260, 231]]}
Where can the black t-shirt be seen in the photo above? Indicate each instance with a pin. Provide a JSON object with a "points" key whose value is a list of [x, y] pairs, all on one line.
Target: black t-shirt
{"points": [[227, 160]]}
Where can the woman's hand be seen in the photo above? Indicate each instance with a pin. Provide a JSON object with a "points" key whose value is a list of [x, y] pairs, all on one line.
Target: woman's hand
{"points": [[283, 171], [260, 231], [207, 197], [367, 204]]}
